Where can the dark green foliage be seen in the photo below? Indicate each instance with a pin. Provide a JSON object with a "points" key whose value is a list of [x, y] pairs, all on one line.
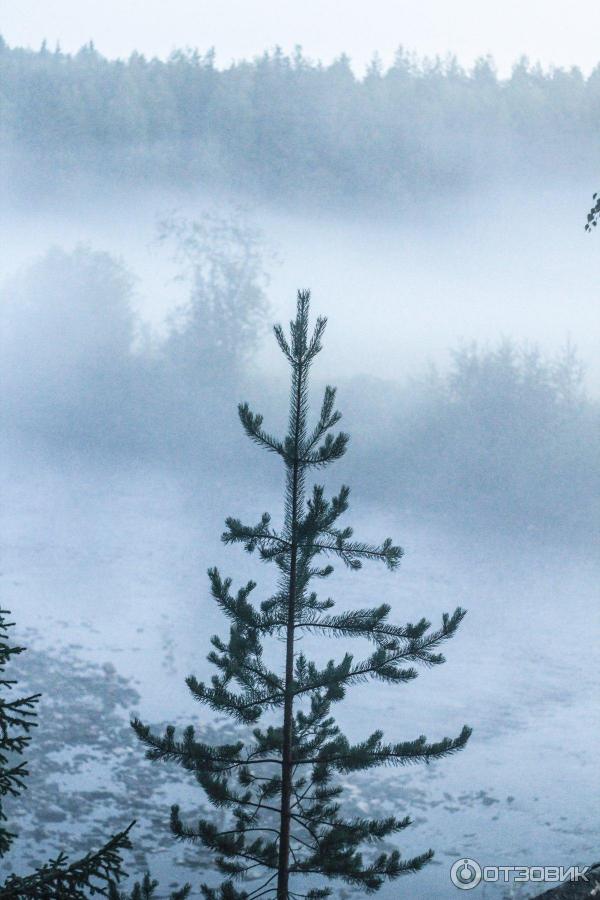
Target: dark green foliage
{"points": [[58, 879], [146, 890], [281, 787], [17, 719], [93, 875]]}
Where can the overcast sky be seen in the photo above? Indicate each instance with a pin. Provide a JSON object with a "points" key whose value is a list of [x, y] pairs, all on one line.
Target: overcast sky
{"points": [[561, 32]]}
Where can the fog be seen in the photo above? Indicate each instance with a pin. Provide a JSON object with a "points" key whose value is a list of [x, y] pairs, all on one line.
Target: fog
{"points": [[463, 333], [508, 264]]}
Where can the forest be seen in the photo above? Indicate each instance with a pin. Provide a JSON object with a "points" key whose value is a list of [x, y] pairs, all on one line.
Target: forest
{"points": [[291, 127]]}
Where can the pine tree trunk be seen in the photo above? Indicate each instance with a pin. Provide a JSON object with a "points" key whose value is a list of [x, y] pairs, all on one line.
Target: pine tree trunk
{"points": [[288, 710]]}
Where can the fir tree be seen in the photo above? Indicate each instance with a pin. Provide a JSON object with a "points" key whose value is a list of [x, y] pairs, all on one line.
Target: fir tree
{"points": [[58, 879], [281, 786]]}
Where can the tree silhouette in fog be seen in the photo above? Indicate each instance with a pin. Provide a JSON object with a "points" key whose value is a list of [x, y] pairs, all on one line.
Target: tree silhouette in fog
{"points": [[221, 258], [65, 344]]}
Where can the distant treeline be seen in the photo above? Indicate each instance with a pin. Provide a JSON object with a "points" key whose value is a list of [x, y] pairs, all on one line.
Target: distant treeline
{"points": [[505, 438], [290, 128]]}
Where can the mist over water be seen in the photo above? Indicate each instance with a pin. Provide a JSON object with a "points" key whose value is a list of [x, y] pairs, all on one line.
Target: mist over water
{"points": [[463, 334], [400, 290]]}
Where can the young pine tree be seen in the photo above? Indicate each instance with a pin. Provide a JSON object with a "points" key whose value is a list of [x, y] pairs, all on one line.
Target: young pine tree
{"points": [[58, 879], [280, 787]]}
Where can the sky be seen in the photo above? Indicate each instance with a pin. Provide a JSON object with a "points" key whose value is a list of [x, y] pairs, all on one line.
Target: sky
{"points": [[554, 32]]}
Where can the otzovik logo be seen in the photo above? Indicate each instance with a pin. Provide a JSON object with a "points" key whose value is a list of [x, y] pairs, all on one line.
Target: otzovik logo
{"points": [[465, 874]]}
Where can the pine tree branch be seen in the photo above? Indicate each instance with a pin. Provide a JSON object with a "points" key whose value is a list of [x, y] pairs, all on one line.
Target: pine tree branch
{"points": [[383, 664], [252, 423], [11, 781], [351, 552], [261, 890], [367, 623], [356, 758], [58, 880], [328, 418], [253, 536]]}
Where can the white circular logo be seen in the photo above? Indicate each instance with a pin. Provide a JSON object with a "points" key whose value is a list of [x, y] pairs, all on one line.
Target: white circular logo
{"points": [[465, 874]]}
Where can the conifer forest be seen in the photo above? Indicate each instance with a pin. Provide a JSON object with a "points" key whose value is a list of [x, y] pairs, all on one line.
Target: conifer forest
{"points": [[299, 450]]}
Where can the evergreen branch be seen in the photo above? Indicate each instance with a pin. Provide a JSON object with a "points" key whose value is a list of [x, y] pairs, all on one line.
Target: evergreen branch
{"points": [[261, 890], [11, 780], [370, 753], [327, 419], [195, 755], [247, 708], [283, 344], [330, 450], [351, 552], [253, 536], [145, 890], [366, 829], [238, 609], [237, 666], [189, 753], [24, 706], [349, 867], [228, 844], [252, 423], [58, 880], [315, 345], [383, 664], [302, 351], [368, 623]]}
